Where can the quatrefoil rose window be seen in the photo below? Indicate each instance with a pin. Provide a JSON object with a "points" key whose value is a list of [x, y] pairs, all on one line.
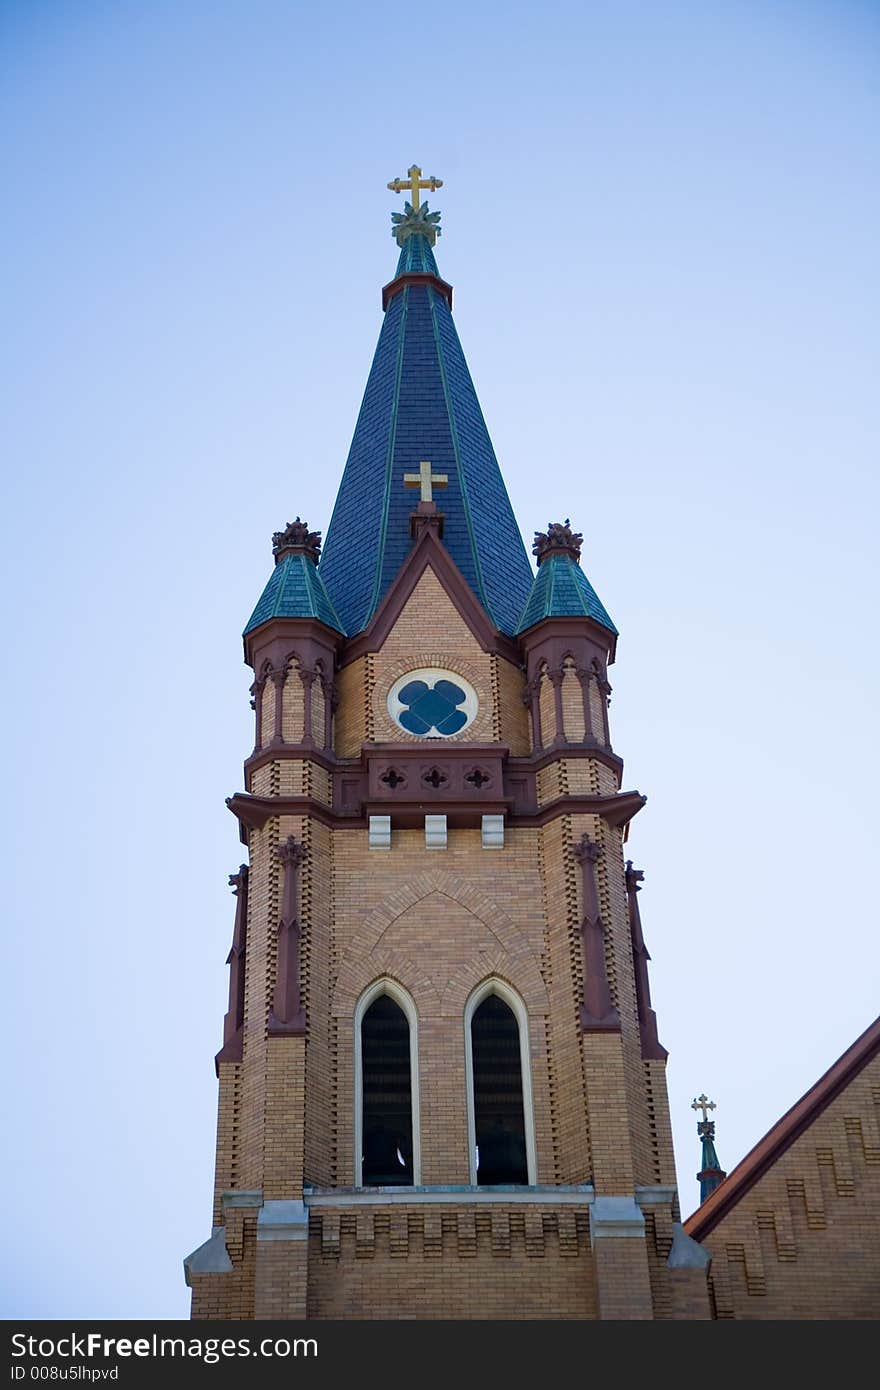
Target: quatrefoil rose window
{"points": [[432, 703]]}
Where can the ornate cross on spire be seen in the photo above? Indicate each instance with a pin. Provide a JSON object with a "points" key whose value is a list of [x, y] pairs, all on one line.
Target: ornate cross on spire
{"points": [[424, 479], [414, 182], [703, 1103]]}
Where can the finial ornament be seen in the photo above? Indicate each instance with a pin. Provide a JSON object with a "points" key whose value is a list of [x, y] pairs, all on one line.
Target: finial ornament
{"points": [[557, 539], [296, 539], [411, 220], [703, 1103], [414, 182], [586, 851], [711, 1173]]}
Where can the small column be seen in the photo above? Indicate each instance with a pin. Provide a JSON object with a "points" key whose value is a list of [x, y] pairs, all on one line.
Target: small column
{"points": [[531, 699], [257, 707], [585, 676], [556, 679], [331, 700], [278, 678], [287, 1014], [652, 1050], [233, 1023], [308, 679], [605, 693], [598, 1014]]}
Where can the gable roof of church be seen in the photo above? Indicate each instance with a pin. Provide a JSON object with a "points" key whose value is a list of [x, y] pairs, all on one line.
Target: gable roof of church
{"points": [[784, 1133], [419, 404]]}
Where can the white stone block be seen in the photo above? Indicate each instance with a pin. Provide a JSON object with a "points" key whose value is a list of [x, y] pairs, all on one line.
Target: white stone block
{"points": [[493, 832], [435, 832], [380, 832]]}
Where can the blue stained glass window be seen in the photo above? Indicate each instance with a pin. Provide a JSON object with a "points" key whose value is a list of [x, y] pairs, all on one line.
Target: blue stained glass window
{"points": [[432, 708]]}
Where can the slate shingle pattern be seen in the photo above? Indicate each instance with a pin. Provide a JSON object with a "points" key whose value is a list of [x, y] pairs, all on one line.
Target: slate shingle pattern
{"points": [[295, 590], [562, 590], [420, 403]]}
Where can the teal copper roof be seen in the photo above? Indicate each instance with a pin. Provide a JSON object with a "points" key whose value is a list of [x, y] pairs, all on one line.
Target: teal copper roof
{"points": [[416, 258], [562, 590], [295, 590], [420, 404]]}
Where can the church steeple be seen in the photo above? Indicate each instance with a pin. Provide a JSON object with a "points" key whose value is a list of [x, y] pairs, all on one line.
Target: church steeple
{"points": [[440, 1054], [420, 404]]}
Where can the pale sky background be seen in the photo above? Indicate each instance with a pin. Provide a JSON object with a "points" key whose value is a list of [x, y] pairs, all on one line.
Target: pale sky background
{"points": [[661, 222]]}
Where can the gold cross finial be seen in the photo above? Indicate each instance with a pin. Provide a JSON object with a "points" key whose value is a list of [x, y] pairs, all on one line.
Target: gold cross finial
{"points": [[425, 478], [414, 182], [703, 1103]]}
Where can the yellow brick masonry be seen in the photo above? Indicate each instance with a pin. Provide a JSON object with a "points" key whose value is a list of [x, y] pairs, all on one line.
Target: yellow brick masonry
{"points": [[440, 923], [512, 714], [351, 729], [293, 706], [456, 1262], [804, 1241], [439, 927], [430, 614], [572, 704]]}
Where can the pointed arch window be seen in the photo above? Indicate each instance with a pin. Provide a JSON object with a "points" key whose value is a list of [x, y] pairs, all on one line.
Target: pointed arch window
{"points": [[501, 1130], [387, 1149]]}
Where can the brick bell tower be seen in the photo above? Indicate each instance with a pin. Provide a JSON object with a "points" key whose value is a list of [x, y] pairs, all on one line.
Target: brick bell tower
{"points": [[442, 1093]]}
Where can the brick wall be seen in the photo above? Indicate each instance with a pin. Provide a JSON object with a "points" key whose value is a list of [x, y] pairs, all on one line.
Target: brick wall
{"points": [[804, 1241]]}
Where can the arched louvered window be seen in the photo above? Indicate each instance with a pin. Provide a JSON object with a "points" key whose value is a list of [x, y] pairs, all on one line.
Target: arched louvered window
{"points": [[501, 1129], [386, 1089]]}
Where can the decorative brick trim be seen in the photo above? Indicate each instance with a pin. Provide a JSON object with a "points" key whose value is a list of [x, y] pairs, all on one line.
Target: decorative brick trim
{"points": [[233, 1023], [445, 661], [598, 1014], [521, 972], [652, 1048], [407, 894], [287, 1014]]}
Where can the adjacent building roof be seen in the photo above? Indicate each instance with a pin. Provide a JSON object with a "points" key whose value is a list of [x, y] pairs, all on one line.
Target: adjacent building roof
{"points": [[562, 590], [784, 1133], [420, 403], [295, 590]]}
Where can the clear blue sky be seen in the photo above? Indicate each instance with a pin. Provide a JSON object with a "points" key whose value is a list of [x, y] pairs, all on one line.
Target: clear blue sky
{"points": [[661, 221]]}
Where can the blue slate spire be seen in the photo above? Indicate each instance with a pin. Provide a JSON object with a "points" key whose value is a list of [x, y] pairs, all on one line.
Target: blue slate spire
{"points": [[420, 403], [561, 589]]}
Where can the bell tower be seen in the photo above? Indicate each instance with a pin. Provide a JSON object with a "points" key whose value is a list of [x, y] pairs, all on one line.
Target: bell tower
{"points": [[441, 1088]]}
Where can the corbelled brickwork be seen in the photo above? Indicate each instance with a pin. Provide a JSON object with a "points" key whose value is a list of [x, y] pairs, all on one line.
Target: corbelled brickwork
{"points": [[475, 1262]]}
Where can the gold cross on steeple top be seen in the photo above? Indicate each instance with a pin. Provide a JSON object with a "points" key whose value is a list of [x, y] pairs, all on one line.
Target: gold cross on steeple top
{"points": [[425, 478], [414, 182], [703, 1103]]}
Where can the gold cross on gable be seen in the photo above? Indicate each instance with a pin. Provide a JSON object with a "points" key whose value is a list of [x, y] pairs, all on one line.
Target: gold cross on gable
{"points": [[424, 479], [414, 182], [703, 1103]]}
